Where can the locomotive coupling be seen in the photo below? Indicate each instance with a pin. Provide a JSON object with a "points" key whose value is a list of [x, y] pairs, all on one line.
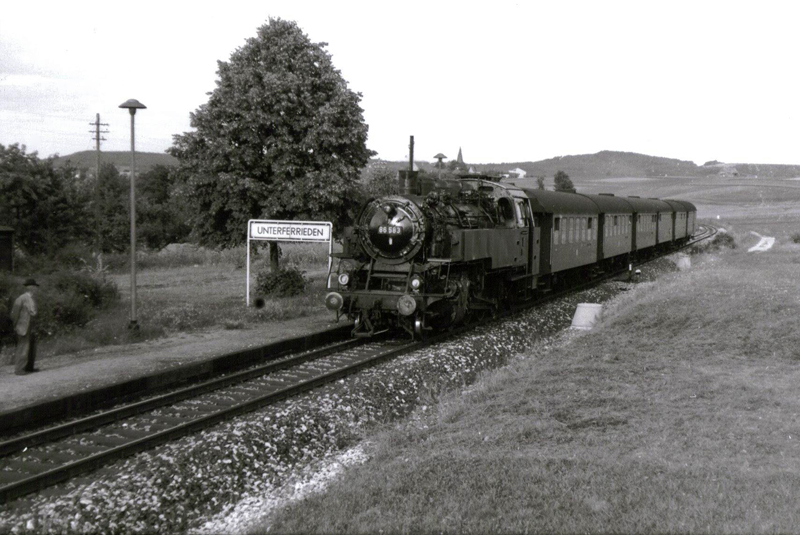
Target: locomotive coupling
{"points": [[334, 301]]}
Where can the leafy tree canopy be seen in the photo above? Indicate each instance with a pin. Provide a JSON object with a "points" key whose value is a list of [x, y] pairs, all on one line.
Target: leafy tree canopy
{"points": [[281, 137], [563, 182], [42, 203]]}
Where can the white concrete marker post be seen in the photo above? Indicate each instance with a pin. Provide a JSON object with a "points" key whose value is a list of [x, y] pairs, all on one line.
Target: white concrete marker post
{"points": [[291, 231], [586, 315]]}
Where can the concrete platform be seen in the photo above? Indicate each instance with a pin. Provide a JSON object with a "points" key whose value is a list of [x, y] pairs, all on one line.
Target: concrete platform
{"points": [[75, 383]]}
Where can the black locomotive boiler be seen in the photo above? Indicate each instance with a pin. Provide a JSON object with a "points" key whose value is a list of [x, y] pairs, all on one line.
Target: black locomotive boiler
{"points": [[444, 250]]}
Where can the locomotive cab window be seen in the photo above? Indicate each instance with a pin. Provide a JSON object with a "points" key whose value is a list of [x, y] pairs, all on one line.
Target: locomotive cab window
{"points": [[505, 212], [522, 213]]}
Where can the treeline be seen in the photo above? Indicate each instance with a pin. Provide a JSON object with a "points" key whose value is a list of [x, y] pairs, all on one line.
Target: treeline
{"points": [[58, 208]]}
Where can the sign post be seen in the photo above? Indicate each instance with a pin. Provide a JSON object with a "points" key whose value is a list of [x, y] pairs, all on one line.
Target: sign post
{"points": [[291, 231]]}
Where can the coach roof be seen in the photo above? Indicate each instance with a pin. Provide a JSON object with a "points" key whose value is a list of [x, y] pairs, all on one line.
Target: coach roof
{"points": [[556, 202], [609, 204], [687, 206], [645, 206]]}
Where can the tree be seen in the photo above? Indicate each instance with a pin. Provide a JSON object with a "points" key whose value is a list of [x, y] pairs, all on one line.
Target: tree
{"points": [[114, 223], [281, 137], [42, 203], [161, 214], [540, 182], [381, 180], [563, 182]]}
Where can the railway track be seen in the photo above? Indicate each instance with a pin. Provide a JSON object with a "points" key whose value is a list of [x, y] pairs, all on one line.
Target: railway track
{"points": [[37, 460]]}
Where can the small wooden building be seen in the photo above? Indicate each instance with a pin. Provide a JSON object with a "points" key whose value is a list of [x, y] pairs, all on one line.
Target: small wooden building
{"points": [[6, 249]]}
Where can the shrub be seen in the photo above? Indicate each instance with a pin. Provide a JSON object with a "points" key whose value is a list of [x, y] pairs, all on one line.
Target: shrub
{"points": [[98, 292], [722, 239], [795, 237], [65, 300], [68, 256], [283, 283]]}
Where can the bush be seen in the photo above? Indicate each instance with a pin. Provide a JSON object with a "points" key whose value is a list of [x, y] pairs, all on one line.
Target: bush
{"points": [[65, 300], [284, 283], [795, 237], [722, 239], [98, 292]]}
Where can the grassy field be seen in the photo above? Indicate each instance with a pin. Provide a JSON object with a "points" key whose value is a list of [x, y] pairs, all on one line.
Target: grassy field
{"points": [[194, 289], [679, 413]]}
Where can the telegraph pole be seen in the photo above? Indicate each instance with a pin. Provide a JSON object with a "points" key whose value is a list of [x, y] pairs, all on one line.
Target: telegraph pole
{"points": [[97, 212]]}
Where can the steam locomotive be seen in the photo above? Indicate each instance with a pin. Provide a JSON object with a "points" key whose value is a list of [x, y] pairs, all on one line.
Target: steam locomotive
{"points": [[447, 250]]}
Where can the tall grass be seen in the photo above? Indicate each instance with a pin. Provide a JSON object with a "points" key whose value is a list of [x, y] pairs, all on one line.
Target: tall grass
{"points": [[679, 413]]}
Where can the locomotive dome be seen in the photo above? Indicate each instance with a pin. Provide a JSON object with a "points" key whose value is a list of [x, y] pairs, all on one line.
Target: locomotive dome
{"points": [[392, 229]]}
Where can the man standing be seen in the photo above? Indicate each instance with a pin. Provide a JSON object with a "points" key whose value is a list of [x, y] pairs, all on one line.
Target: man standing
{"points": [[23, 314]]}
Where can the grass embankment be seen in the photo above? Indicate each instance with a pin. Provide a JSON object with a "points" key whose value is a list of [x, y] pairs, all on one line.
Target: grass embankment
{"points": [[679, 413]]}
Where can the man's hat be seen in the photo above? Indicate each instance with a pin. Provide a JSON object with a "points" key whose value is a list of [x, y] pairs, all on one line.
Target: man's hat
{"points": [[30, 282]]}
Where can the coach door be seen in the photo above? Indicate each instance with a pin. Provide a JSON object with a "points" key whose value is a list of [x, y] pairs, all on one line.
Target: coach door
{"points": [[528, 235]]}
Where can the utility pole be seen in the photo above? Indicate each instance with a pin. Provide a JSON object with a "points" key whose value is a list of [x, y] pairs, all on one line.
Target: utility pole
{"points": [[97, 212]]}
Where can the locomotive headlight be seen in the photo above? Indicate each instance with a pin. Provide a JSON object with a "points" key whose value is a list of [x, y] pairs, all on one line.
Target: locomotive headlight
{"points": [[344, 279], [334, 301], [416, 283]]}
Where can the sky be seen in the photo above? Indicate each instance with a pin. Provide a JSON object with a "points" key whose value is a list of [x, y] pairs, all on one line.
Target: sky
{"points": [[505, 81]]}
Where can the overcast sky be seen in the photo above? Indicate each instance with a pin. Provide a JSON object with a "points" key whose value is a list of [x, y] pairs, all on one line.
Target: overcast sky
{"points": [[505, 81]]}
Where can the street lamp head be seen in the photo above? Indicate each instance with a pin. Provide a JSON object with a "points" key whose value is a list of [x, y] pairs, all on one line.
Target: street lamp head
{"points": [[132, 104]]}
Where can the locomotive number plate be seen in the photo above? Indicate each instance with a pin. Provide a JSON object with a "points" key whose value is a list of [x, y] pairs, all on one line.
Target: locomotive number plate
{"points": [[383, 229]]}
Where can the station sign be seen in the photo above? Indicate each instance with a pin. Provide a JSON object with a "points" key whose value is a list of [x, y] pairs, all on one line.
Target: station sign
{"points": [[298, 231], [293, 231]]}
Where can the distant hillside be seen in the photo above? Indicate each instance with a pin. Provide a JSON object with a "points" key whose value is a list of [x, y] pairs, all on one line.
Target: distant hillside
{"points": [[121, 159], [615, 164], [611, 164], [630, 164]]}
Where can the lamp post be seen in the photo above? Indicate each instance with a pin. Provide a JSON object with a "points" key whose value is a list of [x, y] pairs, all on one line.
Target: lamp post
{"points": [[440, 163], [132, 105]]}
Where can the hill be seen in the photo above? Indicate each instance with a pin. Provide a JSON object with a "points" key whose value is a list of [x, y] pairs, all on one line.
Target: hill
{"points": [[630, 164], [604, 164], [609, 164], [616, 164], [121, 159]]}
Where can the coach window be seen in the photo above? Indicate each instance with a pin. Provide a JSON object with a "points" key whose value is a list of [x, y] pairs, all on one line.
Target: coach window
{"points": [[556, 227], [571, 230]]}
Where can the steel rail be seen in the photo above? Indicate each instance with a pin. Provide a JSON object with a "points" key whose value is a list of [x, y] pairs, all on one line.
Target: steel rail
{"points": [[62, 473], [131, 409]]}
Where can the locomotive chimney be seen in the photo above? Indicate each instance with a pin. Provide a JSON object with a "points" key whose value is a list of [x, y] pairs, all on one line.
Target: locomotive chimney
{"points": [[411, 154], [408, 179]]}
